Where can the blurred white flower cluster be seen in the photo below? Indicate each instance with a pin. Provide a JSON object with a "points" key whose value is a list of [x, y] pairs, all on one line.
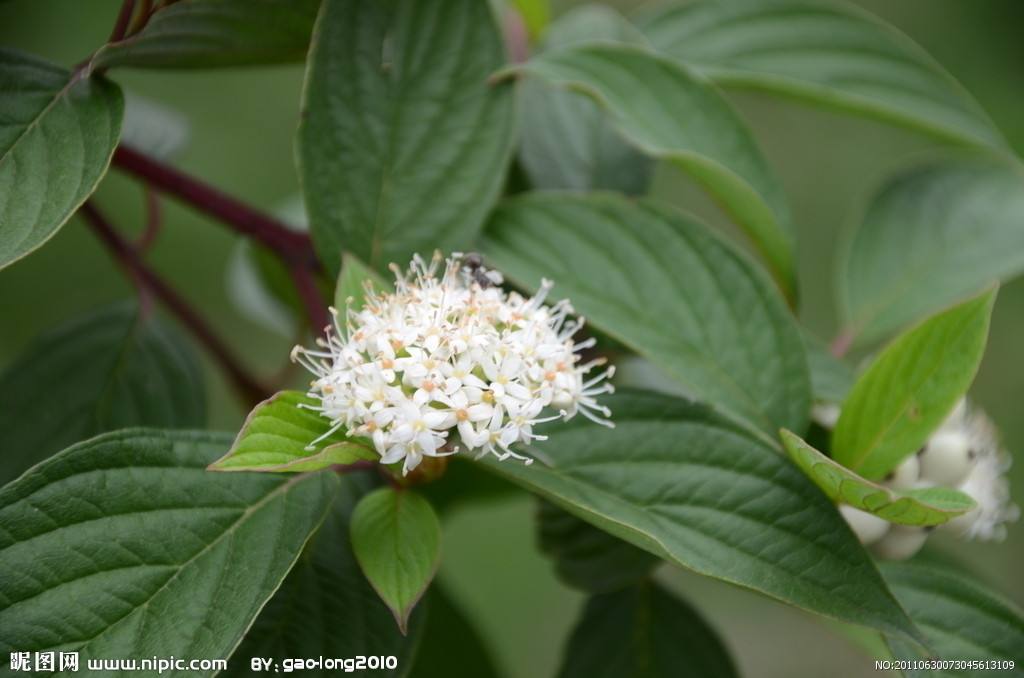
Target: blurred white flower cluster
{"points": [[450, 359], [963, 454]]}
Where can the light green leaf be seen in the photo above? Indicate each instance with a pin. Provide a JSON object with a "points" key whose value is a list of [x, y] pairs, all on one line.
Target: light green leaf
{"points": [[125, 546], [666, 286], [567, 139], [109, 369], [692, 488], [536, 14], [922, 507], [277, 436], [213, 33], [831, 378], [931, 237], [830, 54], [451, 647], [58, 133], [644, 631], [403, 144], [587, 558], [326, 608], [397, 540], [351, 284], [960, 618], [670, 113], [911, 387]]}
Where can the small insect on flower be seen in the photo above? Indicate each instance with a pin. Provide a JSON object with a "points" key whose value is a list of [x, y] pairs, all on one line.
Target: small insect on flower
{"points": [[449, 359]]}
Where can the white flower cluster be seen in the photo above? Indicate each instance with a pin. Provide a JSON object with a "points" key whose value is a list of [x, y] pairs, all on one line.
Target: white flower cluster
{"points": [[964, 454], [451, 359]]}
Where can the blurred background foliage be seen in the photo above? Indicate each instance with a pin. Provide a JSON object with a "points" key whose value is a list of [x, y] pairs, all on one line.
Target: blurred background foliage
{"points": [[241, 128]]}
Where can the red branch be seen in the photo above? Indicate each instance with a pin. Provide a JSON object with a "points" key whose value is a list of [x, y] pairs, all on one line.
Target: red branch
{"points": [[121, 24], [295, 249], [248, 388]]}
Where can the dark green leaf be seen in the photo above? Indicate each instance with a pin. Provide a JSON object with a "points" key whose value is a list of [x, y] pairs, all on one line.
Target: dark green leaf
{"points": [[212, 33], [109, 369], [277, 436], [670, 113], [666, 286], [403, 143], [567, 140], [644, 632], [830, 54], [931, 237], [326, 608], [961, 619], [397, 540], [678, 480], [588, 558], [924, 506], [451, 647], [58, 131], [911, 387], [125, 546]]}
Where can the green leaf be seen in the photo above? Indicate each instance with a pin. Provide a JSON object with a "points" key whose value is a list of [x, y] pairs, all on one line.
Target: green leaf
{"points": [[277, 435], [925, 506], [567, 139], [831, 378], [666, 286], [689, 486], [213, 33], [109, 369], [829, 54], [355, 275], [960, 618], [644, 631], [326, 608], [911, 387], [403, 144], [670, 113], [932, 236], [451, 647], [587, 558], [125, 546], [536, 15], [397, 540], [59, 131]]}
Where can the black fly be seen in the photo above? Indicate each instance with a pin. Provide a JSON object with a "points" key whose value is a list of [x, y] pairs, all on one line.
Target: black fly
{"points": [[474, 264]]}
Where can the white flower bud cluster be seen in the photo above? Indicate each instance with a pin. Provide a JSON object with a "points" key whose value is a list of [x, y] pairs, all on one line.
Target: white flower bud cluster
{"points": [[450, 359], [963, 454]]}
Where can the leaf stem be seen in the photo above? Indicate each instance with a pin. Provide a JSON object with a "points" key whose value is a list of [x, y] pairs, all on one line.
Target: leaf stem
{"points": [[842, 343], [124, 16], [247, 387], [295, 249]]}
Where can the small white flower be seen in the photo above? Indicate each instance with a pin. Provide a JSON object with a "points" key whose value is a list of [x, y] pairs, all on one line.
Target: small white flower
{"points": [[449, 359]]}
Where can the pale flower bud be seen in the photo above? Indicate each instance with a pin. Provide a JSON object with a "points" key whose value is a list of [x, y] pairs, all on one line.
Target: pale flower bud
{"points": [[867, 527], [901, 542], [947, 458], [906, 475]]}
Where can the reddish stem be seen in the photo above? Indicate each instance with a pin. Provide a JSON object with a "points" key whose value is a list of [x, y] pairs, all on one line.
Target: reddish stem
{"points": [[294, 248], [124, 16], [153, 221], [247, 387], [842, 343]]}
